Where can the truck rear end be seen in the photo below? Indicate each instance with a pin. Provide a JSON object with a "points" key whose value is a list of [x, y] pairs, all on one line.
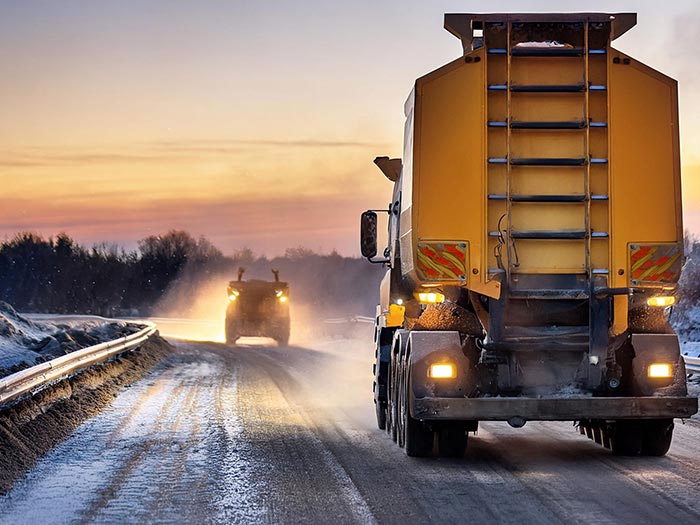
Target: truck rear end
{"points": [[536, 241]]}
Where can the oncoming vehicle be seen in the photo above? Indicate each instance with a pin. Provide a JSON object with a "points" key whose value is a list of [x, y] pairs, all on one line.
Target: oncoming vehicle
{"points": [[257, 309]]}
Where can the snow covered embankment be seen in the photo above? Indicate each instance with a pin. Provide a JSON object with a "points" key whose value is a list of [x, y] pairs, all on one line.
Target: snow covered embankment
{"points": [[25, 343]]}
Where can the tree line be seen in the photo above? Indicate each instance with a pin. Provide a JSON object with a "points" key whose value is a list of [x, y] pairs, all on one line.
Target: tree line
{"points": [[59, 275]]}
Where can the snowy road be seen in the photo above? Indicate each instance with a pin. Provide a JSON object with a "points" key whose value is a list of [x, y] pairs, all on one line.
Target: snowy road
{"points": [[260, 434]]}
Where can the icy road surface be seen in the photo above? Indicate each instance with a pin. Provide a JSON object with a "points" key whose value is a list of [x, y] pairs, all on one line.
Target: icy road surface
{"points": [[285, 435]]}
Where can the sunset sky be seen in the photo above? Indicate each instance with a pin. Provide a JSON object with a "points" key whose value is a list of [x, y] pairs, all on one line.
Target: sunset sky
{"points": [[252, 123]]}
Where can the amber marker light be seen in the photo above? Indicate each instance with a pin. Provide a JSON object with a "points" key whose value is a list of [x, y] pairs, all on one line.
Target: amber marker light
{"points": [[659, 370], [662, 300], [430, 297], [442, 371], [234, 295], [283, 298]]}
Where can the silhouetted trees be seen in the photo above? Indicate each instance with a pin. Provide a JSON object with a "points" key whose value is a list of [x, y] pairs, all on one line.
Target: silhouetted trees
{"points": [[59, 275]]}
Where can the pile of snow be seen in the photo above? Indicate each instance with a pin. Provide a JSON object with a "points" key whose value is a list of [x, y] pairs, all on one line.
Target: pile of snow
{"points": [[25, 342], [686, 323]]}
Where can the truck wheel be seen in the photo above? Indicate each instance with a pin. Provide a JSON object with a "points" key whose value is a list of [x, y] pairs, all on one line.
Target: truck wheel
{"points": [[230, 333], [657, 437], [417, 438], [402, 408], [452, 440], [392, 408], [626, 437], [231, 338], [380, 409]]}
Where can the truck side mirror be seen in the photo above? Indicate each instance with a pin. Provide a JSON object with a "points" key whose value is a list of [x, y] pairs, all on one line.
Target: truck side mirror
{"points": [[368, 234]]}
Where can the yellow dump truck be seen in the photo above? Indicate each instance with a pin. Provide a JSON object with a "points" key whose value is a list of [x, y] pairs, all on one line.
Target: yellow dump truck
{"points": [[535, 241]]}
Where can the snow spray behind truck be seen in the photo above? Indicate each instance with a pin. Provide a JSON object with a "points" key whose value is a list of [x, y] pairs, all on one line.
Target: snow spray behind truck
{"points": [[535, 241]]}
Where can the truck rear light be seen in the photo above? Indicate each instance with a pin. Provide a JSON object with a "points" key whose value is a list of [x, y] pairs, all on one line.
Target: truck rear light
{"points": [[662, 300], [442, 371], [660, 370], [430, 297]]}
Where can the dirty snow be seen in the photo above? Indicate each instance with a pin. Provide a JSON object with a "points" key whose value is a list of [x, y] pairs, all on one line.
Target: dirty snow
{"points": [[26, 342]]}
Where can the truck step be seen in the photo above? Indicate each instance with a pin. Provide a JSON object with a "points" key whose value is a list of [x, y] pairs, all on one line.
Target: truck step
{"points": [[547, 52], [570, 286], [571, 124], [573, 293], [503, 51], [549, 234], [552, 234], [540, 198], [575, 161], [548, 88]]}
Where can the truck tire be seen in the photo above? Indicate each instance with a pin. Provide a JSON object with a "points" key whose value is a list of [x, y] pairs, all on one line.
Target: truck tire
{"points": [[402, 407], [452, 440], [380, 409], [417, 437], [626, 437], [657, 437], [392, 405], [231, 335]]}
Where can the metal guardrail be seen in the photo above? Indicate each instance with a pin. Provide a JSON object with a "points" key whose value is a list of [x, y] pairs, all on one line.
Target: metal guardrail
{"points": [[692, 364], [37, 377]]}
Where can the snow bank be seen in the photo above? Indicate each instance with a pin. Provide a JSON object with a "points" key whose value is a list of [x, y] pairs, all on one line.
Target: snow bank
{"points": [[25, 342]]}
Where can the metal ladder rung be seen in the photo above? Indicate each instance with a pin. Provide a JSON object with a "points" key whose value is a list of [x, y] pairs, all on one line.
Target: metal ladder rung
{"points": [[548, 88], [598, 124], [549, 234], [600, 271], [570, 124], [503, 51], [540, 198], [547, 51], [599, 197], [595, 160], [600, 235], [576, 161]]}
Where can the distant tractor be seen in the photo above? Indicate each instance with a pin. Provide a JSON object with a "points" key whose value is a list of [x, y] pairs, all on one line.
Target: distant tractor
{"points": [[257, 309]]}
